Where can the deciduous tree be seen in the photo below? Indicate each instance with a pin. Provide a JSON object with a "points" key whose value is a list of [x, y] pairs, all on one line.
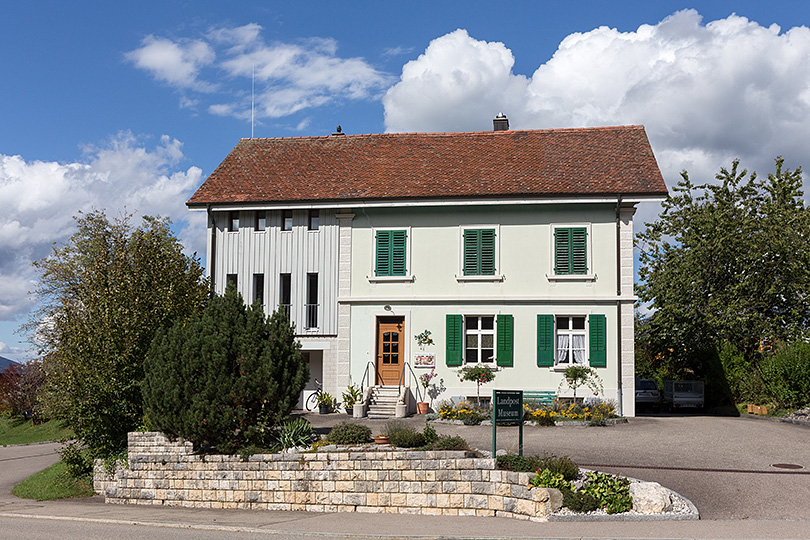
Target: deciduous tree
{"points": [[727, 262], [104, 295]]}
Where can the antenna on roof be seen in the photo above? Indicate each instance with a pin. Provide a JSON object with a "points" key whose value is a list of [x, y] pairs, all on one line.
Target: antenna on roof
{"points": [[252, 99]]}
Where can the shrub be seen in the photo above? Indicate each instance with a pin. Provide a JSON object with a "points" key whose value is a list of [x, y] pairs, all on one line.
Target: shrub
{"points": [[560, 465], [787, 375], [349, 433], [403, 436], [429, 433], [445, 442], [612, 492], [514, 462], [294, 433], [77, 459], [578, 501], [547, 479]]}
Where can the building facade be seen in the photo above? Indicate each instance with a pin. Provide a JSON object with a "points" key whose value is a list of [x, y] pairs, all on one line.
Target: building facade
{"points": [[512, 249]]}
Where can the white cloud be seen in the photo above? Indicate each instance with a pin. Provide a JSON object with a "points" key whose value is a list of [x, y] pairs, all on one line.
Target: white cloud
{"points": [[289, 77], [705, 92], [175, 63], [122, 175]]}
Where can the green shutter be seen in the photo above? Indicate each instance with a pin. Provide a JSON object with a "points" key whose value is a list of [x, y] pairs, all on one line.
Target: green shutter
{"points": [[382, 266], [455, 334], [472, 244], [545, 340], [598, 341], [390, 258], [579, 251], [570, 250], [479, 252], [505, 340], [399, 241]]}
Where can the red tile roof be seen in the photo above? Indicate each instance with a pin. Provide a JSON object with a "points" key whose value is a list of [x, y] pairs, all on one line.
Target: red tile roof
{"points": [[503, 164]]}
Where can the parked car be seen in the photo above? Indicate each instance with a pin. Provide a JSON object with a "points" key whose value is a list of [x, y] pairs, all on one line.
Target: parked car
{"points": [[683, 394], [648, 396]]}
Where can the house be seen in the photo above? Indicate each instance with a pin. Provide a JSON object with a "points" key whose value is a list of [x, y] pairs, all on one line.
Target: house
{"points": [[513, 248]]}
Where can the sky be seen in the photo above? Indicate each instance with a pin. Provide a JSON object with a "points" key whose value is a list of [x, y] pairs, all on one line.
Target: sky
{"points": [[127, 107]]}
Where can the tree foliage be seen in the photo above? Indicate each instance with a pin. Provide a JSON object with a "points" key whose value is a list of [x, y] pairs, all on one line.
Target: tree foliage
{"points": [[226, 378], [104, 295], [727, 263], [20, 387]]}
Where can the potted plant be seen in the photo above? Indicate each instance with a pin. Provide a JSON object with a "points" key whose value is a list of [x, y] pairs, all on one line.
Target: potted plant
{"points": [[326, 403], [422, 407], [480, 374], [350, 397]]}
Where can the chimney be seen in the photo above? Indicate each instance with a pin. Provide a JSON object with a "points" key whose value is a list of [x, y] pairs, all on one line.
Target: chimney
{"points": [[500, 123], [338, 131]]}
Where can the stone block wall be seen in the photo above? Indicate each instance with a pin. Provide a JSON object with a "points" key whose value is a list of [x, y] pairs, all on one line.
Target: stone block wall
{"points": [[369, 479]]}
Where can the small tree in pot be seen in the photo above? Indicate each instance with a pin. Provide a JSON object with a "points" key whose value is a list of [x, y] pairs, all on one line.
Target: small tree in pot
{"points": [[480, 374]]}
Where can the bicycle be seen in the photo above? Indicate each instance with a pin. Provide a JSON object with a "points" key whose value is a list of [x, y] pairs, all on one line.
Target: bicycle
{"points": [[312, 400]]}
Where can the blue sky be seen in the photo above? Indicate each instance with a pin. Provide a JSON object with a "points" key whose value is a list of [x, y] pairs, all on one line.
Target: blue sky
{"points": [[115, 105]]}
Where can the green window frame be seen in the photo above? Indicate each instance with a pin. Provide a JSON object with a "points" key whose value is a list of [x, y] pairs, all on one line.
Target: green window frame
{"points": [[479, 252], [391, 253], [570, 250]]}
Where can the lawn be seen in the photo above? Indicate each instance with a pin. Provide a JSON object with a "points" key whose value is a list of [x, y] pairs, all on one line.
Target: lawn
{"points": [[53, 483], [17, 431]]}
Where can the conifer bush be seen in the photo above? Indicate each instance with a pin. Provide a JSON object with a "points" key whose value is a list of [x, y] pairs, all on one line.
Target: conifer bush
{"points": [[224, 380]]}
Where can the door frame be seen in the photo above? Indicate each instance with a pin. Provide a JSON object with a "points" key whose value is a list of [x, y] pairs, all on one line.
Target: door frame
{"points": [[373, 325]]}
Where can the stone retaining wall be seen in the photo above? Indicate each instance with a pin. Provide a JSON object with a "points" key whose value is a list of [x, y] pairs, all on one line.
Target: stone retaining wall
{"points": [[369, 479]]}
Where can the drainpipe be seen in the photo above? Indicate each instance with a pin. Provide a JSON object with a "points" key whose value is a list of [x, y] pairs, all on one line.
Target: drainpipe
{"points": [[618, 301], [212, 259]]}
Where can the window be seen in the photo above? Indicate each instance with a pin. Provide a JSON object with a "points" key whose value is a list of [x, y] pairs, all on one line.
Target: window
{"points": [[314, 220], [476, 339], [233, 221], [312, 301], [570, 250], [261, 221], [230, 280], [478, 252], [561, 340], [285, 293], [390, 257], [286, 220], [479, 339], [258, 288], [570, 340]]}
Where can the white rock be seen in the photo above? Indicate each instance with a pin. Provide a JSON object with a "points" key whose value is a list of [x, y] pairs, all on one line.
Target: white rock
{"points": [[650, 498]]}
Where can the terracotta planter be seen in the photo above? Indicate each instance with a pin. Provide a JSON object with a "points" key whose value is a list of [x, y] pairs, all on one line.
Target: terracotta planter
{"points": [[381, 439], [422, 407]]}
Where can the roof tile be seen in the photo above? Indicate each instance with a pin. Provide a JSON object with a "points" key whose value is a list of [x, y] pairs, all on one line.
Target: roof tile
{"points": [[486, 164]]}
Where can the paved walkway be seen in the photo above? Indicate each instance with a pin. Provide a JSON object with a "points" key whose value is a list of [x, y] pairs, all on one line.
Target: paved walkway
{"points": [[724, 465]]}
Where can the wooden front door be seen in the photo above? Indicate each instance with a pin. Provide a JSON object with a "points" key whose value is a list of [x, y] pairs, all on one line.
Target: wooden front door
{"points": [[390, 350]]}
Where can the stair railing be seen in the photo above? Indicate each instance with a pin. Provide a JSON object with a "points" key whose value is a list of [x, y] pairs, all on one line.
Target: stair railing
{"points": [[413, 376], [366, 374]]}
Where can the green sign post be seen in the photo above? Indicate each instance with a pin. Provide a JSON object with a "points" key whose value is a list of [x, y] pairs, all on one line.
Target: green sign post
{"points": [[507, 409]]}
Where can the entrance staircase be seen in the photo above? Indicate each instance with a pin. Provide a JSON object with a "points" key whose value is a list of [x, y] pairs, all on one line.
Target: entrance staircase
{"points": [[383, 402]]}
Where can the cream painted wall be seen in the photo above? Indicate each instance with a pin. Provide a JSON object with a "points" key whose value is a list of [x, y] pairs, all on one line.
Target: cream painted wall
{"points": [[524, 375], [524, 246]]}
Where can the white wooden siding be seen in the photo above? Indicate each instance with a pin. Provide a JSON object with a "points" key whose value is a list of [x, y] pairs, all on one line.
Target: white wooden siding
{"points": [[273, 252]]}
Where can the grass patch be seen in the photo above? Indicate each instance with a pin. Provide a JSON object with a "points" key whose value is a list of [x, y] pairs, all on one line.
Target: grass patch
{"points": [[18, 431], [53, 483]]}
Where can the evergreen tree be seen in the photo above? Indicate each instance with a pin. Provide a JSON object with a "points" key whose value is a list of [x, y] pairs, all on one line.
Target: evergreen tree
{"points": [[224, 379]]}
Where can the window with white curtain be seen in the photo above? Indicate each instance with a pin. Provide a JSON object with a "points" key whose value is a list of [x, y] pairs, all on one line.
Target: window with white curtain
{"points": [[570, 340]]}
